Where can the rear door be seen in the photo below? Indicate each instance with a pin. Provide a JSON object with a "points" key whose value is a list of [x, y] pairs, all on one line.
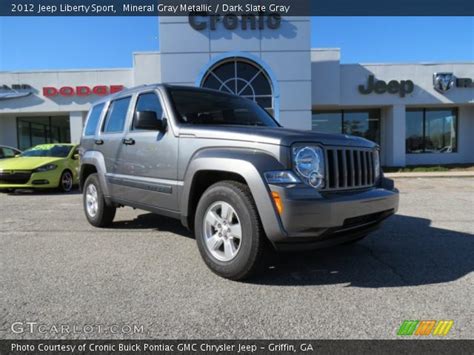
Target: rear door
{"points": [[147, 171], [89, 135], [111, 134]]}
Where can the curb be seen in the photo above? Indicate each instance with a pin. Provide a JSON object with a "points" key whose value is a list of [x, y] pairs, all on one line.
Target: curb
{"points": [[441, 174]]}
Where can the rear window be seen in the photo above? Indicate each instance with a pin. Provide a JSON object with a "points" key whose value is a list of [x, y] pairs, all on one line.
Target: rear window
{"points": [[93, 120]]}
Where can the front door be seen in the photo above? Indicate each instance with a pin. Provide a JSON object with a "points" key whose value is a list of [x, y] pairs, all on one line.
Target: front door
{"points": [[148, 170]]}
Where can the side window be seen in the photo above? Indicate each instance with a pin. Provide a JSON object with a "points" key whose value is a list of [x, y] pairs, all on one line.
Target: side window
{"points": [[149, 102], [8, 153], [93, 120], [116, 115]]}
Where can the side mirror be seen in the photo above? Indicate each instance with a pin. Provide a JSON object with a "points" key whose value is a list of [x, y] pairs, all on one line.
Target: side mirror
{"points": [[149, 121], [75, 157]]}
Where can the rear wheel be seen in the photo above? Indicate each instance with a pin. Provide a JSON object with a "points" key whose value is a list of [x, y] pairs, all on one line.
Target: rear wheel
{"points": [[98, 213], [228, 231], [66, 181]]}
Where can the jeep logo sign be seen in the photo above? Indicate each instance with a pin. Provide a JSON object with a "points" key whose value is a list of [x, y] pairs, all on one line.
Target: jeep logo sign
{"points": [[401, 88], [232, 22]]}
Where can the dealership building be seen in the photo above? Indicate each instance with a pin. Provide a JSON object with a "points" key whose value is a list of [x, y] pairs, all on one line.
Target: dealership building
{"points": [[421, 113]]}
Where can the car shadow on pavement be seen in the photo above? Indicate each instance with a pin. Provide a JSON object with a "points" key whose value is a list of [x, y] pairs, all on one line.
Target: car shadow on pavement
{"points": [[39, 192], [406, 251], [156, 222]]}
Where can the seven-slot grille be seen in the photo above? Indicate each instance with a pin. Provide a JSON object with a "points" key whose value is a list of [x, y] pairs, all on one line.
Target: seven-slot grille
{"points": [[349, 168], [14, 177]]}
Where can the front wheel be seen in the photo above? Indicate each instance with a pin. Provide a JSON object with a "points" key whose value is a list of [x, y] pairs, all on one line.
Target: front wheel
{"points": [[66, 181], [228, 231], [98, 213]]}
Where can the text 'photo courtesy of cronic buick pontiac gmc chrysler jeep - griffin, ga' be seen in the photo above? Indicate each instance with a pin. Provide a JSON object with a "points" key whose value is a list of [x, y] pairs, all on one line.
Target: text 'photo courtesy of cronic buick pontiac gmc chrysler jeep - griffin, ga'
{"points": [[224, 167]]}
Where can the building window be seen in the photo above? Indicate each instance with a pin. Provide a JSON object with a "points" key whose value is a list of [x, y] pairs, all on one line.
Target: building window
{"points": [[362, 123], [431, 131], [40, 130], [241, 77]]}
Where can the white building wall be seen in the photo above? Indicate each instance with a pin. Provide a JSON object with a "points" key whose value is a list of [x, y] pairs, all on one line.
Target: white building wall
{"points": [[325, 77], [37, 103], [8, 134], [394, 145], [187, 53], [147, 68], [76, 123], [353, 75], [335, 86]]}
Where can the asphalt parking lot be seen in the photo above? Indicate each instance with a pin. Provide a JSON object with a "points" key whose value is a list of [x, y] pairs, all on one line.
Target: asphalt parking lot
{"points": [[55, 269]]}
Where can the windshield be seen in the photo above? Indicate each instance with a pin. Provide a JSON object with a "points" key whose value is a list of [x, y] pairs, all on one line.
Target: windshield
{"points": [[48, 150], [208, 108]]}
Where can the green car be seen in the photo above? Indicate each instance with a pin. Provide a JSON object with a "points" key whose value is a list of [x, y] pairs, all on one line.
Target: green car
{"points": [[44, 166]]}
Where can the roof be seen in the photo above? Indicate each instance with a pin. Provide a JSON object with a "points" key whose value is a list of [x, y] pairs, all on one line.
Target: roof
{"points": [[133, 90]]}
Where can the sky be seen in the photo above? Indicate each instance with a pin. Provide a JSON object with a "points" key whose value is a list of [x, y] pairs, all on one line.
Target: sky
{"points": [[108, 42]]}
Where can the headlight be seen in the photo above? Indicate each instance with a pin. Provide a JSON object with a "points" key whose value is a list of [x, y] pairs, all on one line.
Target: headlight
{"points": [[377, 169], [281, 177], [309, 164], [44, 168]]}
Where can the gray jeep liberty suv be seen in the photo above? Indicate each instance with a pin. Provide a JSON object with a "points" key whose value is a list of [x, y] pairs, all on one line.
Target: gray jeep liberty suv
{"points": [[224, 167]]}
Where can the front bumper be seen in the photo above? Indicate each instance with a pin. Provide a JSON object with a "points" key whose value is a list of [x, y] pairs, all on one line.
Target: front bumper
{"points": [[310, 216], [29, 180]]}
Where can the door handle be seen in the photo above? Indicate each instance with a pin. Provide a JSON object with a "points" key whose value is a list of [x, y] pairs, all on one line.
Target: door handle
{"points": [[99, 141], [129, 141]]}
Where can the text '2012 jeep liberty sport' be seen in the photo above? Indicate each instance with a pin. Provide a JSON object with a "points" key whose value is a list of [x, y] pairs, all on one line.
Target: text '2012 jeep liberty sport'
{"points": [[229, 171]]}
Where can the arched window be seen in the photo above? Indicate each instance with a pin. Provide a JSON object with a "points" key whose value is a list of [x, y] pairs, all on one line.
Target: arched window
{"points": [[242, 77]]}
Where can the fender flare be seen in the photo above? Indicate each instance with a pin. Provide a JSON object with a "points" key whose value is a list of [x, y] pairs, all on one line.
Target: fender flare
{"points": [[96, 159], [248, 163]]}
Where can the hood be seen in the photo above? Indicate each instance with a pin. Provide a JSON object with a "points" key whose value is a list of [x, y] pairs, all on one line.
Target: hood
{"points": [[26, 163], [274, 135]]}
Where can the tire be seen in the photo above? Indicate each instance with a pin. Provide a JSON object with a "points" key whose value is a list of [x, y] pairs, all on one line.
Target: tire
{"points": [[225, 254], [97, 212], [66, 181]]}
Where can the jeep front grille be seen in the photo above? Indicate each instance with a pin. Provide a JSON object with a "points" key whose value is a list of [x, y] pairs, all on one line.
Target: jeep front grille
{"points": [[349, 168]]}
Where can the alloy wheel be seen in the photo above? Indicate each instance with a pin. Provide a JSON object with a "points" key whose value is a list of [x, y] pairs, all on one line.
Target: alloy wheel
{"points": [[92, 204], [222, 231], [66, 181]]}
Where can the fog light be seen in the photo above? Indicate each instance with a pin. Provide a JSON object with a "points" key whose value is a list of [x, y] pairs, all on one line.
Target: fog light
{"points": [[277, 201], [315, 179]]}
